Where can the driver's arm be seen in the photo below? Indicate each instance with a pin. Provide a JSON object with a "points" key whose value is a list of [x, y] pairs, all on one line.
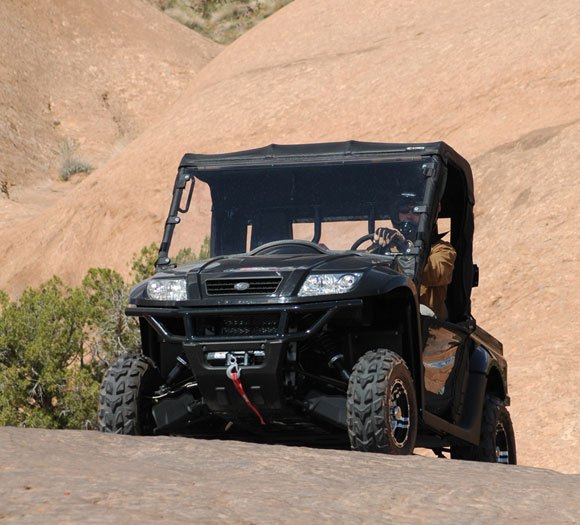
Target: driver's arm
{"points": [[438, 270]]}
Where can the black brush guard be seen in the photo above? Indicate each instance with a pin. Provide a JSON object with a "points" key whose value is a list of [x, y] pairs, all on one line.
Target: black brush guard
{"points": [[263, 376]]}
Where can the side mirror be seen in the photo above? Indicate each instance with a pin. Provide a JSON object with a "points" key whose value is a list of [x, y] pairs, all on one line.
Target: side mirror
{"points": [[475, 278]]}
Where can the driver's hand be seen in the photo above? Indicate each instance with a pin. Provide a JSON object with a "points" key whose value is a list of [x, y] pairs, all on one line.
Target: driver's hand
{"points": [[388, 236]]}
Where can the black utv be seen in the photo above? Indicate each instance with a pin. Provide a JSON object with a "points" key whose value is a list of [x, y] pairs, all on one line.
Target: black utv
{"points": [[301, 327]]}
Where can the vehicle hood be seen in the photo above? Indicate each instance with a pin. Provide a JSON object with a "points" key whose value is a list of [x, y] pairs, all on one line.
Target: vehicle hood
{"points": [[284, 263], [378, 276]]}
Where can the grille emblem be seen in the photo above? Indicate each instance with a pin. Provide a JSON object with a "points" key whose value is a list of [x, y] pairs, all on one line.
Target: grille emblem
{"points": [[252, 285]]}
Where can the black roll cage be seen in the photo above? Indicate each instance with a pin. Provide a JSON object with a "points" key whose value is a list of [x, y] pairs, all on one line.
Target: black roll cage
{"points": [[449, 183]]}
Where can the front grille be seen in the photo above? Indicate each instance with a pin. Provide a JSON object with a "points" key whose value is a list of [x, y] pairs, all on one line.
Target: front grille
{"points": [[250, 326], [254, 285], [240, 326]]}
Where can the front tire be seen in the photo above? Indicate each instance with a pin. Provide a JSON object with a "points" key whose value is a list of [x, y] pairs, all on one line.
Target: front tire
{"points": [[124, 403], [381, 408], [497, 442]]}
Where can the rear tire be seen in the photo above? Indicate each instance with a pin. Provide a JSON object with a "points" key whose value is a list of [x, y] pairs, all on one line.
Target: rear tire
{"points": [[124, 406], [497, 442], [381, 408]]}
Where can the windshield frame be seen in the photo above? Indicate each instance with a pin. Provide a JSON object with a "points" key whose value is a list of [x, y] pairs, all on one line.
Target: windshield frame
{"points": [[272, 199], [211, 174]]}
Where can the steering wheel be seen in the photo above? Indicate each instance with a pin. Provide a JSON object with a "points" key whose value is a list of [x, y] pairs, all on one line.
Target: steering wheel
{"points": [[398, 243], [364, 238]]}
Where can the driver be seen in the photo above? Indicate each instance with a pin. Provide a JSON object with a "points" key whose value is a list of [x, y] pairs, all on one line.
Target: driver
{"points": [[438, 270]]}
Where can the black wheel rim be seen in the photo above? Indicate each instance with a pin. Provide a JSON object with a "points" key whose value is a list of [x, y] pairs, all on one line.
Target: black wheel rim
{"points": [[502, 448], [399, 410]]}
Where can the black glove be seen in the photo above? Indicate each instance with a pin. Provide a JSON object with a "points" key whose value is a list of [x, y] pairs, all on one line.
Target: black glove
{"points": [[386, 237]]}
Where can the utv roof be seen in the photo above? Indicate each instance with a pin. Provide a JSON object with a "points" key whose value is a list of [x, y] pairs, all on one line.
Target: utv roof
{"points": [[276, 155]]}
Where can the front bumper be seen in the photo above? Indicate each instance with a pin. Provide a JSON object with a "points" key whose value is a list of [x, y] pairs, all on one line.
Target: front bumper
{"points": [[272, 329]]}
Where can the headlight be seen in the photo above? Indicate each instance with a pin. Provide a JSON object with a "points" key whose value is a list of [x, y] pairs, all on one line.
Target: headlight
{"points": [[167, 289], [329, 283]]}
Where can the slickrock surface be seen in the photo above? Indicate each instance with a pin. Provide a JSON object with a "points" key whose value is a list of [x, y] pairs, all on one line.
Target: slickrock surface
{"points": [[529, 256], [318, 70], [94, 72], [72, 477], [499, 81]]}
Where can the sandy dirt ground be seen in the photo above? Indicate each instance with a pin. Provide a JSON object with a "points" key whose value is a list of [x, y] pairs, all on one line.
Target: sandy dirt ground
{"points": [[71, 477]]}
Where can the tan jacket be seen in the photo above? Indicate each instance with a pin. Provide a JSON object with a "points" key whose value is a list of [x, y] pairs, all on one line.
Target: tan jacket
{"points": [[437, 275]]}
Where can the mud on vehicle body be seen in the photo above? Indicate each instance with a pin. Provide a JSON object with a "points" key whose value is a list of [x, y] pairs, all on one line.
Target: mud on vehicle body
{"points": [[286, 338]]}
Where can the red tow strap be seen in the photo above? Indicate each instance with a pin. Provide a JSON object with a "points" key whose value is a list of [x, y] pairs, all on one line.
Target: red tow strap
{"points": [[235, 377]]}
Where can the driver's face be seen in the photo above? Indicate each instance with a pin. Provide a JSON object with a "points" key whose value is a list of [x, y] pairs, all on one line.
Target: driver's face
{"points": [[409, 216]]}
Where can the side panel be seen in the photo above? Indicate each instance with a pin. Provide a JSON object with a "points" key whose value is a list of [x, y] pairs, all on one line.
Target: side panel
{"points": [[491, 362], [444, 360], [487, 373]]}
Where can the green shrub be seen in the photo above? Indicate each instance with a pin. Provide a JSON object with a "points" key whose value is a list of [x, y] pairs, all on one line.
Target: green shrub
{"points": [[187, 255], [4, 300], [221, 20], [143, 263], [41, 350], [56, 342], [70, 163], [112, 333]]}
